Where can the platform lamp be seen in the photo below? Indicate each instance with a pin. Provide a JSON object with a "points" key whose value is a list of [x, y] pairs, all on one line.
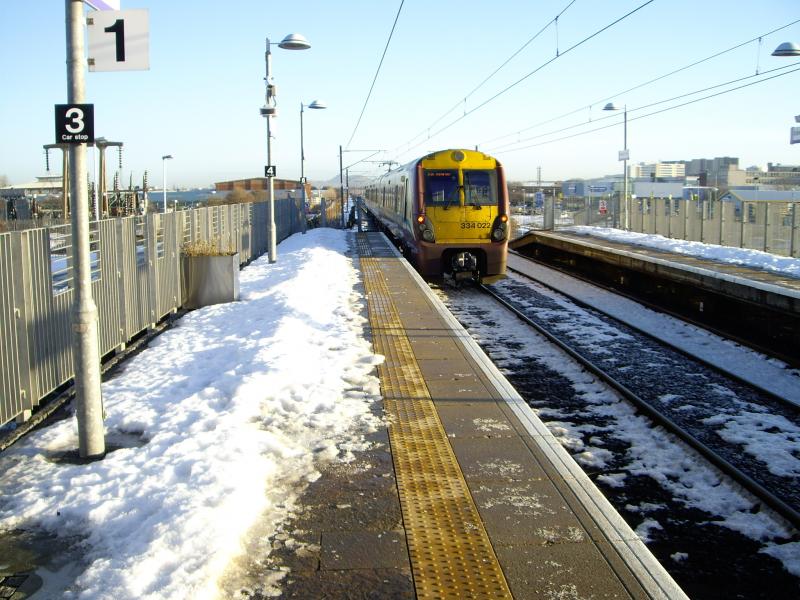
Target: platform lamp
{"points": [[623, 156], [787, 49], [790, 49], [164, 160], [316, 105], [293, 41]]}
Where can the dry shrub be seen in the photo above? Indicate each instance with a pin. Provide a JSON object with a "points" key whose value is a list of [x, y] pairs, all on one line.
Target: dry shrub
{"points": [[212, 247]]}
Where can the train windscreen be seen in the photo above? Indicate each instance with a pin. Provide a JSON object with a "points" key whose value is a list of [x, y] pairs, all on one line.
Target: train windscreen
{"points": [[480, 188], [441, 187]]}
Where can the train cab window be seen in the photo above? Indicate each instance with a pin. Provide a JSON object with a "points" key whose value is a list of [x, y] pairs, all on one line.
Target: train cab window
{"points": [[480, 188], [441, 187]]}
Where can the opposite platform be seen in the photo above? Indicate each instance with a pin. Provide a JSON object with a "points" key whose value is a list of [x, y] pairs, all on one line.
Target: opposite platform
{"points": [[492, 505]]}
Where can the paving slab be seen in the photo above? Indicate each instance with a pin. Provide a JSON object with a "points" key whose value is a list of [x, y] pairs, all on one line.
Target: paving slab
{"points": [[364, 550]]}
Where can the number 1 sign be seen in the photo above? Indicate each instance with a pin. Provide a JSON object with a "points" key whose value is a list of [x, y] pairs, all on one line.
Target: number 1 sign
{"points": [[119, 40]]}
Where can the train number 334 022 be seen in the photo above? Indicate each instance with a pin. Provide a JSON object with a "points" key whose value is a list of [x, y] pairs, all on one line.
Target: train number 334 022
{"points": [[474, 225]]}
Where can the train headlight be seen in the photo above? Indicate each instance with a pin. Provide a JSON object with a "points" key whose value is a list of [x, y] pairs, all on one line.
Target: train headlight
{"points": [[425, 229], [500, 228]]}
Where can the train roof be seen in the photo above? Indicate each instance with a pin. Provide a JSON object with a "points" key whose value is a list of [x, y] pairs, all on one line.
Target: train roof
{"points": [[413, 164]]}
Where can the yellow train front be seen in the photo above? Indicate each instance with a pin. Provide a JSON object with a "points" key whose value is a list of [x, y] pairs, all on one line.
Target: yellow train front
{"points": [[449, 213]]}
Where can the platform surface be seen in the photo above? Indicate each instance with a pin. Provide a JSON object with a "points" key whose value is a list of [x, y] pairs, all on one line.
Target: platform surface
{"points": [[491, 505]]}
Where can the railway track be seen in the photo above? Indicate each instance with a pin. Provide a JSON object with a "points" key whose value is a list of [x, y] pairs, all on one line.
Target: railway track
{"points": [[699, 404]]}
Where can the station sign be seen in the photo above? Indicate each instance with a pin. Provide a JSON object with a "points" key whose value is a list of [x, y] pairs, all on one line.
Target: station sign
{"points": [[74, 123], [270, 171], [119, 40], [624, 155]]}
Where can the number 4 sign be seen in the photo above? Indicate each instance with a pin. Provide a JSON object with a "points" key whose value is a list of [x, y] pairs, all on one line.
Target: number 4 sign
{"points": [[119, 40]]}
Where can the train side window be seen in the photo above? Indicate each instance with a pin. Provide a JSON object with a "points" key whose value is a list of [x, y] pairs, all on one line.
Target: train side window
{"points": [[441, 187], [480, 188]]}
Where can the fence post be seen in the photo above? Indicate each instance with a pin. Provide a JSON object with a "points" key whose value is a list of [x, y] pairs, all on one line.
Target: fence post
{"points": [[177, 298], [766, 226], [152, 262], [21, 290], [122, 292], [741, 233]]}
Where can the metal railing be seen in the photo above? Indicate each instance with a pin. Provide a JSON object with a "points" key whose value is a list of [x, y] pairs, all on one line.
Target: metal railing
{"points": [[136, 281], [769, 226]]}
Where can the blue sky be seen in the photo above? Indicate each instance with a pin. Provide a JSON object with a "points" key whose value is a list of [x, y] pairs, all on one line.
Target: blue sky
{"points": [[199, 101]]}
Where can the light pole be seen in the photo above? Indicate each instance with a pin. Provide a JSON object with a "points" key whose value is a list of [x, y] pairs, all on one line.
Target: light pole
{"points": [[623, 156], [293, 41], [164, 160], [316, 105]]}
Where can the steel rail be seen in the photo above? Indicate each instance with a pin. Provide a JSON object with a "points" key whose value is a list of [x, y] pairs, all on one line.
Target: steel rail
{"points": [[787, 511], [755, 346], [656, 308]]}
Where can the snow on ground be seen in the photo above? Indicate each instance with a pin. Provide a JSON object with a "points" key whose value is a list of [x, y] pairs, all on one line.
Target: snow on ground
{"points": [[232, 409]]}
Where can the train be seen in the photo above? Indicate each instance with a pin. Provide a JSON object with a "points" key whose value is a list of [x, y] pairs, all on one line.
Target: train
{"points": [[448, 212]]}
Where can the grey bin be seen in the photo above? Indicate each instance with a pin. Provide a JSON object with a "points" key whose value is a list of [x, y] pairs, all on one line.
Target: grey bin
{"points": [[209, 280]]}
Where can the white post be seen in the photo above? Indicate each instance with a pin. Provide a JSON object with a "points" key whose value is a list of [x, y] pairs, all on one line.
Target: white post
{"points": [[86, 354], [272, 246], [302, 171]]}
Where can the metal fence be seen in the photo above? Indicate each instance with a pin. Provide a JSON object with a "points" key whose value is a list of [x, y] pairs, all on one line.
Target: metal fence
{"points": [[768, 226], [136, 281]]}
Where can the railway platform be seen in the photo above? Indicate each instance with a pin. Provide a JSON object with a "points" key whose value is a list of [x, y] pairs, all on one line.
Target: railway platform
{"points": [[468, 495]]}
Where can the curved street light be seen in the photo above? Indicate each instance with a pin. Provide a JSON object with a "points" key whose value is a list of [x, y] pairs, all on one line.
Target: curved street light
{"points": [[316, 105], [787, 49], [293, 41]]}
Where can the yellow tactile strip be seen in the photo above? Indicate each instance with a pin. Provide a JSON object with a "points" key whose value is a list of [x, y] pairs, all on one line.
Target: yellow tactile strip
{"points": [[451, 556]]}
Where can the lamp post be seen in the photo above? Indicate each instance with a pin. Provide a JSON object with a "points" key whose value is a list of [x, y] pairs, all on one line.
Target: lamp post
{"points": [[164, 160], [316, 105], [293, 41], [623, 156]]}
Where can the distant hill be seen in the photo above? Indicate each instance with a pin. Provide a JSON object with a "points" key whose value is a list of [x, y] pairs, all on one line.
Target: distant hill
{"points": [[358, 181]]}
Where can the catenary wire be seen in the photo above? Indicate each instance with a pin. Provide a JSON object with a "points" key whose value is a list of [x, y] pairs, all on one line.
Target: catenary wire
{"points": [[501, 147], [657, 112], [495, 72], [641, 85], [536, 70], [374, 79]]}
